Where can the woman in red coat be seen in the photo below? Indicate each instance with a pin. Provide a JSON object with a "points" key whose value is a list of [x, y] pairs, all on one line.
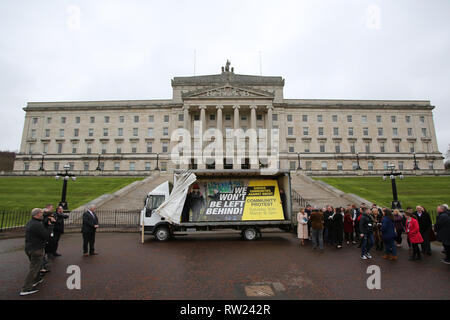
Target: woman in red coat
{"points": [[414, 236], [348, 226]]}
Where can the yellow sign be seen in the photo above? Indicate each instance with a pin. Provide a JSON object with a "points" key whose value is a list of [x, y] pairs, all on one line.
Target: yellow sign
{"points": [[263, 201]]}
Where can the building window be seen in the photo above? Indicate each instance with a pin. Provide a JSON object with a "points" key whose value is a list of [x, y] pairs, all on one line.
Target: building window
{"points": [[33, 133], [105, 132], [76, 132], [243, 118], [424, 132], [165, 131], [30, 148], [49, 120], [133, 147], [47, 133], [86, 166], [339, 166], [74, 148], [408, 119], [307, 147], [397, 147], [337, 148], [136, 119], [290, 131], [305, 118], [151, 118], [355, 165], [150, 132], [352, 147], [305, 131], [104, 147], [382, 147], [334, 118], [166, 118], [90, 132], [336, 131], [163, 166], [60, 146], [319, 118], [320, 131], [61, 133], [26, 166], [380, 132], [228, 117], [324, 165], [89, 148], [291, 148], [308, 165], [148, 166], [411, 147], [165, 147], [120, 132], [121, 119], [368, 147], [45, 148], [116, 166], [289, 117], [350, 131], [135, 132], [400, 165], [259, 117], [393, 119], [292, 165], [274, 117], [431, 165], [35, 120], [106, 119], [56, 166], [119, 148], [370, 166], [77, 119], [132, 166], [379, 119], [349, 118], [63, 120], [422, 119], [212, 117], [365, 131], [364, 119], [394, 131], [322, 147], [180, 117], [409, 131], [92, 119], [149, 147]]}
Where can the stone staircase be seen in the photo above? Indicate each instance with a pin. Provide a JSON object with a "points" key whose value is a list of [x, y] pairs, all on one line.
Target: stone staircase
{"points": [[320, 194]]}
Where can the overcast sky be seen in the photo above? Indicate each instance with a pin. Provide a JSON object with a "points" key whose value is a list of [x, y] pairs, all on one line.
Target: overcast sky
{"points": [[108, 50]]}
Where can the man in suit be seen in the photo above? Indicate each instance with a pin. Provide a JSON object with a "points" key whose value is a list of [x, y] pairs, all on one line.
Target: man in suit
{"points": [[425, 226], [90, 226]]}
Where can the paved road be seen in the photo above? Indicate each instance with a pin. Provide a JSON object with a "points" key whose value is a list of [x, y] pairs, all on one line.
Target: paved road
{"points": [[222, 267]]}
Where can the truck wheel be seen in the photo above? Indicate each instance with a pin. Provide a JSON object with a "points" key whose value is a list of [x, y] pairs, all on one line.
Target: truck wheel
{"points": [[162, 233], [250, 234]]}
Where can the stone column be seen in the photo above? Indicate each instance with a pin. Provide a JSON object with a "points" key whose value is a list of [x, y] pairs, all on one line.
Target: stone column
{"points": [[219, 139], [269, 124], [236, 127], [187, 126], [202, 164], [253, 145]]}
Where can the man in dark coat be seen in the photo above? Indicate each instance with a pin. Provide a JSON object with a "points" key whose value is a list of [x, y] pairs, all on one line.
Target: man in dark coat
{"points": [[58, 229], [328, 225], [425, 226], [89, 228], [35, 238], [442, 229], [366, 234]]}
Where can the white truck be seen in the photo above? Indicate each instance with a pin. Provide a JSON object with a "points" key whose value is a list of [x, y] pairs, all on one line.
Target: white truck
{"points": [[210, 200]]}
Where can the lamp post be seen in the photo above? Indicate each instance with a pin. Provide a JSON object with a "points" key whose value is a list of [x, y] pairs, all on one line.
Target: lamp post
{"points": [[157, 161], [416, 167], [42, 162], [66, 175], [299, 166], [98, 163], [392, 175], [357, 161]]}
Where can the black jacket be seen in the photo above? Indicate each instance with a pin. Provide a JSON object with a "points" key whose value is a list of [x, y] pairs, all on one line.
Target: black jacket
{"points": [[36, 235], [338, 221], [365, 224], [424, 222], [59, 224], [89, 222], [442, 227]]}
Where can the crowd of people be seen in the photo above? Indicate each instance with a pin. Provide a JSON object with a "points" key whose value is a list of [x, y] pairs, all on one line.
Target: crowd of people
{"points": [[42, 235], [383, 228]]}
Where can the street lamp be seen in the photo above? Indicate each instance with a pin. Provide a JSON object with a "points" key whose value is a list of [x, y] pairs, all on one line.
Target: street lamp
{"points": [[416, 167], [42, 162], [299, 166], [392, 175], [357, 161], [157, 161], [66, 176], [98, 163]]}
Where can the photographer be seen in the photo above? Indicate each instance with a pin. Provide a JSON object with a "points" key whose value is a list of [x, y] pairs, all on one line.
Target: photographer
{"points": [[48, 222], [58, 229]]}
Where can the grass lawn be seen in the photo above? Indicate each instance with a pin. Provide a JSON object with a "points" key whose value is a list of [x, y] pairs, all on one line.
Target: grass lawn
{"points": [[428, 192], [25, 193]]}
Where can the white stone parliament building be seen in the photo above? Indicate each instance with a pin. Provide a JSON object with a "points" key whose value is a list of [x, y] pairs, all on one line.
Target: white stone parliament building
{"points": [[317, 136]]}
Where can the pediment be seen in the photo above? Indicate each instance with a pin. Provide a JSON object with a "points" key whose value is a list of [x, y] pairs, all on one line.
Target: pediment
{"points": [[229, 92]]}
